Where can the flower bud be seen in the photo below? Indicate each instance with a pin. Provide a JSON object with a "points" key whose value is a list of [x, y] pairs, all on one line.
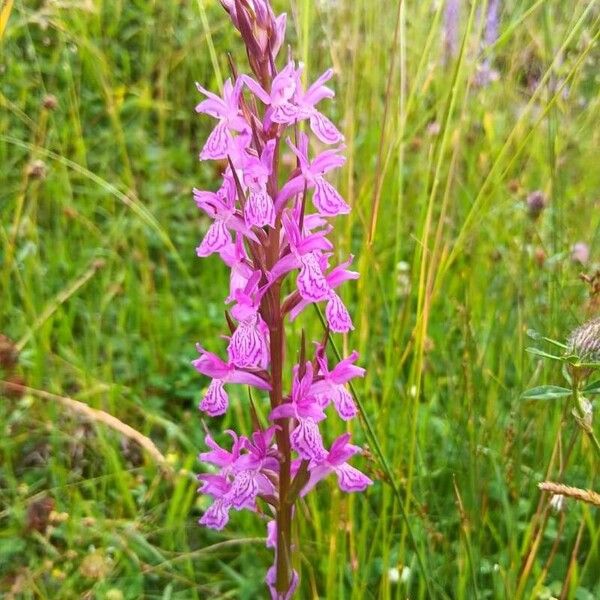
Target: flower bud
{"points": [[50, 102], [261, 31], [536, 203]]}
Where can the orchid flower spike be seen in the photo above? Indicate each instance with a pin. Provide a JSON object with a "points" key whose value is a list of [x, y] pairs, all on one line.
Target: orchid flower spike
{"points": [[269, 222]]}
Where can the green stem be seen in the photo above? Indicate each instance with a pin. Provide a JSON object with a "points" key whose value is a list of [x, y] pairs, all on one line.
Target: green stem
{"points": [[580, 412]]}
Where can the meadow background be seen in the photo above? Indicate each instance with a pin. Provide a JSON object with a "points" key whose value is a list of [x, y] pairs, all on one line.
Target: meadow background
{"points": [[104, 298]]}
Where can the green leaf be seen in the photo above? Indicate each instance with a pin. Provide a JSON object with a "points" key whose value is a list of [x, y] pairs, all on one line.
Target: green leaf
{"points": [[539, 352], [546, 392], [592, 388], [535, 335], [555, 343], [589, 365]]}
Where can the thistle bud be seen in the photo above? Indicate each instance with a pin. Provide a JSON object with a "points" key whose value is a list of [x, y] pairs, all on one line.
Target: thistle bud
{"points": [[585, 340]]}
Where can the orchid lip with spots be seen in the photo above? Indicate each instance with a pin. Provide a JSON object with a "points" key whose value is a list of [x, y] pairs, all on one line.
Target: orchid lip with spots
{"points": [[269, 226]]}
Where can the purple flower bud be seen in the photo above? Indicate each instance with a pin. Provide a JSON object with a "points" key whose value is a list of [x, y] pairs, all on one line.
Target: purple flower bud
{"points": [[271, 534], [536, 203], [491, 22]]}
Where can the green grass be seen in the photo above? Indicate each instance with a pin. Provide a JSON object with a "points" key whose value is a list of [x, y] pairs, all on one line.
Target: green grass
{"points": [[101, 290]]}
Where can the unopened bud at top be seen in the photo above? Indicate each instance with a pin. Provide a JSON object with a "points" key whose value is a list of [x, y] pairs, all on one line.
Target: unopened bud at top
{"points": [[261, 31]]}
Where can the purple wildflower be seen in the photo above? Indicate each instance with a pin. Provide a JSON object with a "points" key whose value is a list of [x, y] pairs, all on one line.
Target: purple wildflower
{"points": [[227, 111], [349, 478], [326, 198], [216, 401], [331, 387], [485, 71], [451, 28], [306, 410]]}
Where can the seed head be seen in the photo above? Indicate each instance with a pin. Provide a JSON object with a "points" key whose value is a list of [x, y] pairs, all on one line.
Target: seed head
{"points": [[38, 514]]}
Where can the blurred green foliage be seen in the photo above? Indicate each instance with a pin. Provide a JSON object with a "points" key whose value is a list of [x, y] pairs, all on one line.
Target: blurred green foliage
{"points": [[105, 299]]}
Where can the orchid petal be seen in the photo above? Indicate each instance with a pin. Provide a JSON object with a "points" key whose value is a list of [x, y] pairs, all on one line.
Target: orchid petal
{"points": [[337, 315], [217, 237], [211, 365], [216, 516], [259, 210], [256, 89], [283, 411], [218, 143], [324, 129], [285, 114], [248, 345], [311, 281], [344, 404], [351, 479], [306, 440], [246, 378], [243, 491], [215, 401], [327, 199]]}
